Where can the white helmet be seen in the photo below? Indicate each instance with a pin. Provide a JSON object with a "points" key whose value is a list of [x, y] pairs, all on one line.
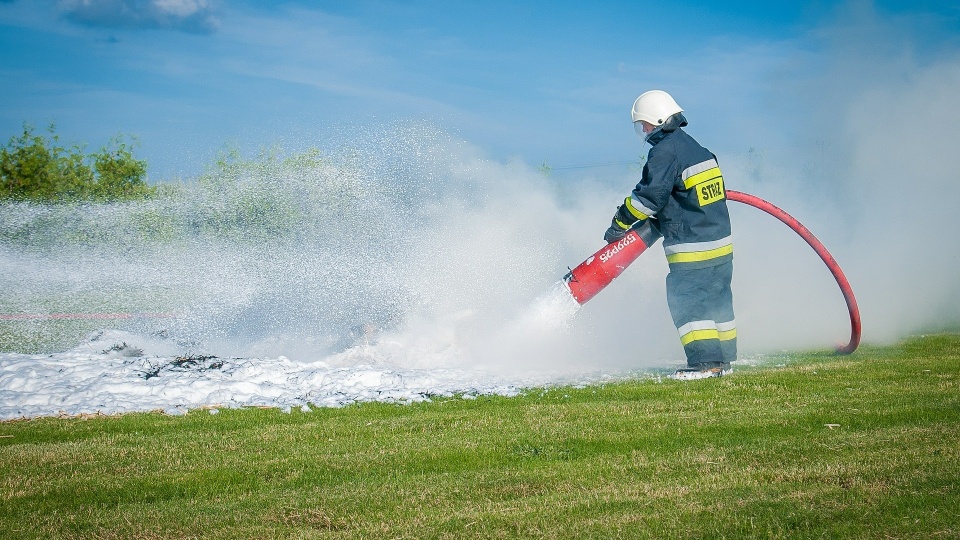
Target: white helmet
{"points": [[654, 107]]}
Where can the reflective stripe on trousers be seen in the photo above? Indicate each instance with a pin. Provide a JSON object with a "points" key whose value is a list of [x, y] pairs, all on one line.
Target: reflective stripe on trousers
{"points": [[701, 304]]}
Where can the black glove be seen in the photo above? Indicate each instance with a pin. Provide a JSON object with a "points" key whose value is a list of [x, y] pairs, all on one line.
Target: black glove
{"points": [[624, 217], [621, 223], [615, 233]]}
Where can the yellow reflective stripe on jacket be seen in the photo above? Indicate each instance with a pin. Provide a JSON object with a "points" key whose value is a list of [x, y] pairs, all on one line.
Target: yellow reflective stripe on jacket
{"points": [[638, 213], [697, 256], [698, 251], [699, 173], [705, 176]]}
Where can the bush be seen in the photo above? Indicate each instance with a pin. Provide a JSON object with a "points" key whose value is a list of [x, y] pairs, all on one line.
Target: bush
{"points": [[119, 175], [38, 168]]}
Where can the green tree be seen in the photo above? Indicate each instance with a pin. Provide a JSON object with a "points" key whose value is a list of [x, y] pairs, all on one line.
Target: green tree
{"points": [[119, 174], [36, 167]]}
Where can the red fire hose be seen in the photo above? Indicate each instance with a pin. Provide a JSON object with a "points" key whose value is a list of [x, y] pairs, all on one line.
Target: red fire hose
{"points": [[828, 259], [601, 268]]}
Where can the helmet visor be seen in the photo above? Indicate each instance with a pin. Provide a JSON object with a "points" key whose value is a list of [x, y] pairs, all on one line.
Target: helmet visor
{"points": [[638, 128]]}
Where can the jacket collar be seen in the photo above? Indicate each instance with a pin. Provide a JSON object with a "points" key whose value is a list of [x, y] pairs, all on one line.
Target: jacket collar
{"points": [[672, 124]]}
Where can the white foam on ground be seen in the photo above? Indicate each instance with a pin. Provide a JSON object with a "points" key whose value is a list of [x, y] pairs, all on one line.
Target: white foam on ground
{"points": [[119, 372]]}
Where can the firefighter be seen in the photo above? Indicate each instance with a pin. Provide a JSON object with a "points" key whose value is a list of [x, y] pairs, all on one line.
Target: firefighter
{"points": [[681, 194]]}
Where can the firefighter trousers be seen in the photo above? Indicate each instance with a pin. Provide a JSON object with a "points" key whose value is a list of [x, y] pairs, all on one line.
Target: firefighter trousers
{"points": [[701, 304]]}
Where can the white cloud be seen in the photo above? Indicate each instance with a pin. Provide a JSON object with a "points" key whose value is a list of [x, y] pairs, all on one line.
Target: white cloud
{"points": [[197, 16]]}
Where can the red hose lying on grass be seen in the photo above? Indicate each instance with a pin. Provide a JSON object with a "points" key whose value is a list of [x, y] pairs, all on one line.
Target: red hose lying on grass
{"points": [[601, 268]]}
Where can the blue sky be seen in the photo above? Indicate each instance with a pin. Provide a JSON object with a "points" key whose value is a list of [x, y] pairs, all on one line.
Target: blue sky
{"points": [[535, 81]]}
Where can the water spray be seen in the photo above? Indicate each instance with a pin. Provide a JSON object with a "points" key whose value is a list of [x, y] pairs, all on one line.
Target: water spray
{"points": [[600, 269]]}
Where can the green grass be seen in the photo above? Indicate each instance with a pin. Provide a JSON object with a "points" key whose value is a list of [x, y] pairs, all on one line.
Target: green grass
{"points": [[823, 447]]}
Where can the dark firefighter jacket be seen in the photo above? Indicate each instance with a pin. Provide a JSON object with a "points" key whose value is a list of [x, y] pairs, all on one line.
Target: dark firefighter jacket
{"points": [[681, 191]]}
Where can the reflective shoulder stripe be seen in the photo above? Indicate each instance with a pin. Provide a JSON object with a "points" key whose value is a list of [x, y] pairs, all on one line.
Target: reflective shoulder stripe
{"points": [[698, 168], [638, 209], [699, 173], [705, 176]]}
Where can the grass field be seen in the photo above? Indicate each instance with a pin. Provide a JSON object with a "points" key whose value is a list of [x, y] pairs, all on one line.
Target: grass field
{"points": [[822, 447]]}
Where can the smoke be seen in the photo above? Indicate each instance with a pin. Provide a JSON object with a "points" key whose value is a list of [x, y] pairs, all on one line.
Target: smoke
{"points": [[871, 114], [906, 187], [403, 247]]}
